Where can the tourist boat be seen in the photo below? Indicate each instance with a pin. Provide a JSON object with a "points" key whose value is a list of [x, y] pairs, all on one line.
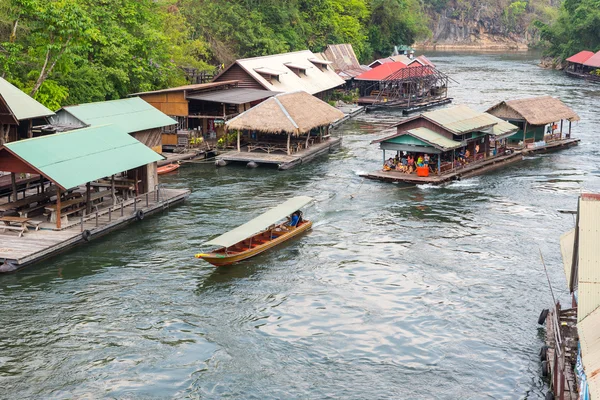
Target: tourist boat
{"points": [[165, 169], [260, 234]]}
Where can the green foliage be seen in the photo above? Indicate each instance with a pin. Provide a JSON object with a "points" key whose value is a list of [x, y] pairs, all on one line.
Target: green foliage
{"points": [[575, 29], [77, 51]]}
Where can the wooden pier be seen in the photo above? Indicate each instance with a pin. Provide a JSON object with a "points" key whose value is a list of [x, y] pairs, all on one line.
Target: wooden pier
{"points": [[35, 245], [406, 107], [281, 160], [470, 170]]}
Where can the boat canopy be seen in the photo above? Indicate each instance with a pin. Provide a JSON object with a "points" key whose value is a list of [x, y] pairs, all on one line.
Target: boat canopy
{"points": [[260, 223]]}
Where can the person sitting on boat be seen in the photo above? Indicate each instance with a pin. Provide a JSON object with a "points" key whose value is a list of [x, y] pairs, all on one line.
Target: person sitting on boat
{"points": [[420, 161], [389, 165], [426, 159], [467, 155], [411, 163], [294, 219]]}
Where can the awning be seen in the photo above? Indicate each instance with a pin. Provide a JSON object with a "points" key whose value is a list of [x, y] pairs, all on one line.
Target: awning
{"points": [[269, 71], [233, 96], [260, 223], [76, 157]]}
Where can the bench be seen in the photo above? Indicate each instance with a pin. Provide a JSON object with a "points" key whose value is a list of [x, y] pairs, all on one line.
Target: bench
{"points": [[19, 229]]}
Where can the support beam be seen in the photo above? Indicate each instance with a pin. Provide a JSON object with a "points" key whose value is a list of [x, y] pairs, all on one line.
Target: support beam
{"points": [[524, 134], [88, 203], [112, 189], [13, 181], [288, 144], [58, 206], [239, 147]]}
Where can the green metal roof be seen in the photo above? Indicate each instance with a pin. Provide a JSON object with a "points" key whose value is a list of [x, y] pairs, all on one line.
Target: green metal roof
{"points": [[21, 105], [434, 139], [131, 115], [460, 119], [503, 128], [76, 157]]}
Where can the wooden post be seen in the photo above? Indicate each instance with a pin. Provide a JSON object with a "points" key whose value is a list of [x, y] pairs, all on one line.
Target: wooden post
{"points": [[58, 223], [239, 147], [439, 163], [569, 129], [383, 156], [88, 203], [307, 137], [112, 189], [561, 128], [524, 134], [41, 187], [288, 144], [30, 129], [13, 180]]}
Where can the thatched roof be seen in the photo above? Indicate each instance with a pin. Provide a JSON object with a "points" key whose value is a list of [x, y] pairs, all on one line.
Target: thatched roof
{"points": [[536, 110], [294, 112]]}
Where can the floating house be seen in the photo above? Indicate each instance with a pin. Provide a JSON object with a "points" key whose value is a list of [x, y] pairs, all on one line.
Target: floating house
{"points": [[459, 142], [19, 113], [134, 116], [541, 121], [85, 182], [285, 130], [571, 356], [203, 108], [583, 64], [343, 60], [408, 87], [287, 72]]}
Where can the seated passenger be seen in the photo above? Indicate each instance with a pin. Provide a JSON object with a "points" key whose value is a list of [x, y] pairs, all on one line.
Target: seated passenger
{"points": [[389, 165], [420, 161], [426, 159], [294, 219]]}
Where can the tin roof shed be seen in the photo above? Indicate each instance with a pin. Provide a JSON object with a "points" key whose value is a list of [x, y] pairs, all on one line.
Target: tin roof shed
{"points": [[21, 105], [593, 61], [131, 115], [76, 157], [381, 72], [580, 57]]}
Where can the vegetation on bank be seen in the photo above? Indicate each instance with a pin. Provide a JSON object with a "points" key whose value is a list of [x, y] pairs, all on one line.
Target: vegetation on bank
{"points": [[77, 51], [577, 28]]}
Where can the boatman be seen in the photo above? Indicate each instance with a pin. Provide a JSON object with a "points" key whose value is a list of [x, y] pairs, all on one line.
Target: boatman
{"points": [[294, 218]]}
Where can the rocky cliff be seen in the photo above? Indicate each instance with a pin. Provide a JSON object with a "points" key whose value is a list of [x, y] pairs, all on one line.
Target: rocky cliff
{"points": [[483, 25]]}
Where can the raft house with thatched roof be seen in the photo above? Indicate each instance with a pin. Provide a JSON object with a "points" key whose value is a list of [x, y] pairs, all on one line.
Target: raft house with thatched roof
{"points": [[459, 142], [91, 181], [285, 130], [544, 123]]}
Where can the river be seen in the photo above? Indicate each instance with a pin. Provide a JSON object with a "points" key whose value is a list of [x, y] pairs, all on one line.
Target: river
{"points": [[397, 292]]}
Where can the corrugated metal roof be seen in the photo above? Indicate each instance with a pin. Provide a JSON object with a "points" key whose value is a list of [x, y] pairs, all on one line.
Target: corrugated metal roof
{"points": [[593, 61], [580, 57], [588, 262], [460, 119], [381, 72], [76, 157], [342, 57], [131, 115], [589, 339], [567, 241], [439, 141], [198, 86], [298, 66], [425, 135], [269, 71], [315, 81], [21, 105], [233, 96]]}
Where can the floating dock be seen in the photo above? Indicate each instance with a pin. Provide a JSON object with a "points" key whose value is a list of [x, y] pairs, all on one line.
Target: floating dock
{"points": [[470, 170], [35, 245], [404, 106], [280, 159]]}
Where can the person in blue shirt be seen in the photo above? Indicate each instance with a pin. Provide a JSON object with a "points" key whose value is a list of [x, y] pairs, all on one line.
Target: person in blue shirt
{"points": [[294, 219]]}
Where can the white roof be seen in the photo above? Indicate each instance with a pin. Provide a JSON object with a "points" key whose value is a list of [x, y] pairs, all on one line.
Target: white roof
{"points": [[317, 79], [21, 105], [588, 269], [260, 223]]}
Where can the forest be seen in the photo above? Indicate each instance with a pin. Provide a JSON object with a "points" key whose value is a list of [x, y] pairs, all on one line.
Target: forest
{"points": [[77, 51]]}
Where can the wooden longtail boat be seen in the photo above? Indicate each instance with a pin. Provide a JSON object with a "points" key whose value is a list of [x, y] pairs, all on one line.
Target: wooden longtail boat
{"points": [[165, 169], [260, 234]]}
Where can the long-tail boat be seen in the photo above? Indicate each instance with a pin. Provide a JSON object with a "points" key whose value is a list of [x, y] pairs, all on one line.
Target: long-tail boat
{"points": [[255, 236], [165, 169]]}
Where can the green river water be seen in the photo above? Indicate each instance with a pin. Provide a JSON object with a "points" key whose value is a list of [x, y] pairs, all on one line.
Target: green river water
{"points": [[397, 293]]}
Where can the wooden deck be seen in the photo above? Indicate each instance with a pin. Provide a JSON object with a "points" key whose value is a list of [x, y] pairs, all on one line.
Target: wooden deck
{"points": [[17, 252], [371, 104], [282, 160], [470, 170]]}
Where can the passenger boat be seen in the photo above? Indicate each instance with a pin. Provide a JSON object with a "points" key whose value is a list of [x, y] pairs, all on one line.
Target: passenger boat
{"points": [[165, 169], [255, 236]]}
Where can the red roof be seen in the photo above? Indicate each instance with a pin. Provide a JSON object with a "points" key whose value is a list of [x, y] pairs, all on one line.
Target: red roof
{"points": [[580, 57], [593, 61], [381, 72], [422, 60]]}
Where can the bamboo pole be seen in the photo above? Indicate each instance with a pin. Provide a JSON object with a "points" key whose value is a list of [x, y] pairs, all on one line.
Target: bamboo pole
{"points": [[288, 143], [239, 147], [58, 223]]}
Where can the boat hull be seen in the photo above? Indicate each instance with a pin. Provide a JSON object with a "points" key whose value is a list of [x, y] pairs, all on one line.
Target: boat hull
{"points": [[220, 260], [167, 168]]}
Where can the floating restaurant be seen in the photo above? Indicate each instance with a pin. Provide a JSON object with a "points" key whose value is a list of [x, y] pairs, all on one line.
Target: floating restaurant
{"points": [[81, 184], [585, 64], [458, 142], [285, 130], [571, 355]]}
